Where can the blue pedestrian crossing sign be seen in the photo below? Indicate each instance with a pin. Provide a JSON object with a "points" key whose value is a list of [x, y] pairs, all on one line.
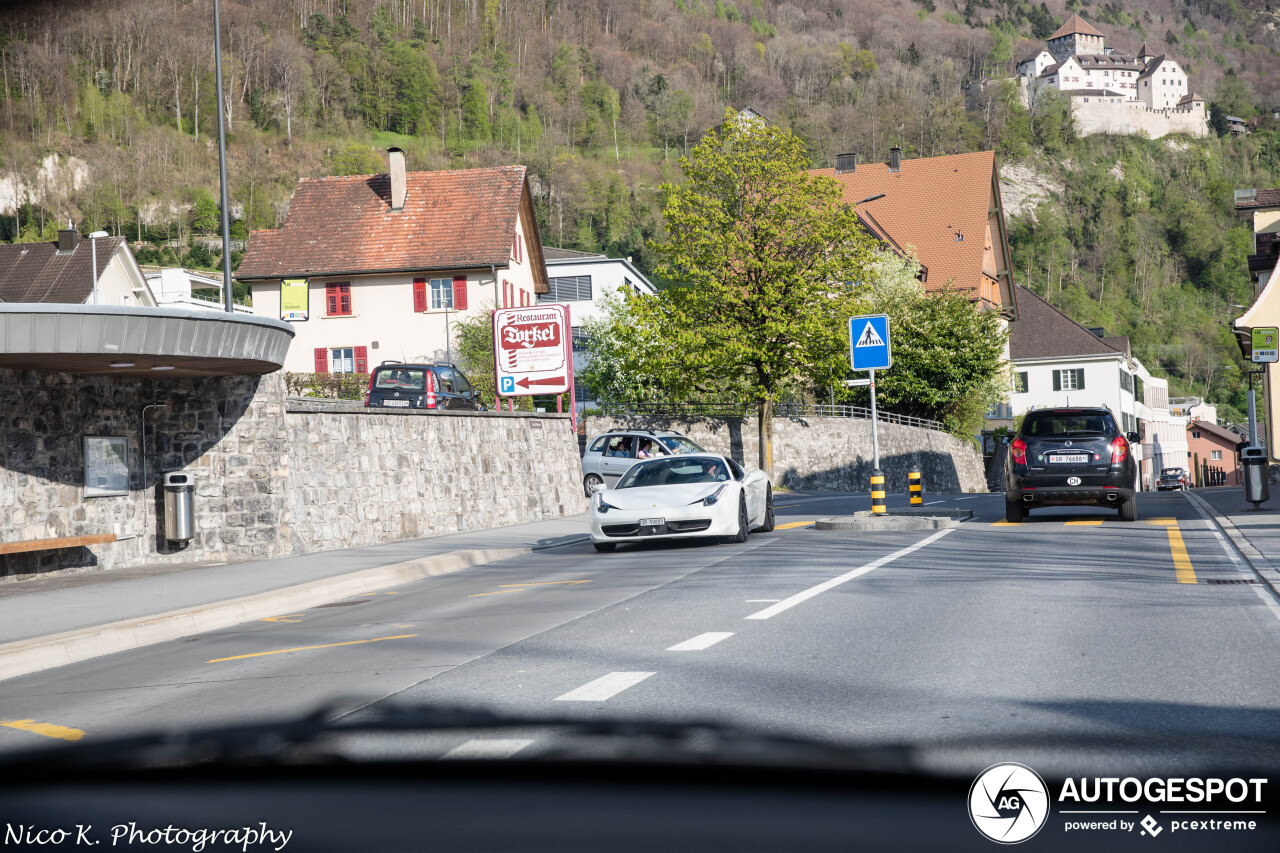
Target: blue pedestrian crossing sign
{"points": [[869, 343]]}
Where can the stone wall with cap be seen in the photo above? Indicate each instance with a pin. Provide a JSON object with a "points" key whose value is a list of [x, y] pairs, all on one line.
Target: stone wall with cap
{"points": [[828, 454], [273, 476]]}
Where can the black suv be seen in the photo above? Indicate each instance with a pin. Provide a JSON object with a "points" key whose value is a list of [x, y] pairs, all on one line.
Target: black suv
{"points": [[421, 386], [1070, 457]]}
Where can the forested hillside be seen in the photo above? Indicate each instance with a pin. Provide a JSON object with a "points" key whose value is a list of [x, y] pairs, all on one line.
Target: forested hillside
{"points": [[107, 120]]}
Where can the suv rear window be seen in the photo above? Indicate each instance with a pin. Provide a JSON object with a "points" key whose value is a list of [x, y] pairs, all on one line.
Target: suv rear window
{"points": [[400, 379], [1099, 423]]}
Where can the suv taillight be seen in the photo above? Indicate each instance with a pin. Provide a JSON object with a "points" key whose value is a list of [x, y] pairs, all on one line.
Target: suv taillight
{"points": [[1119, 449], [431, 389], [369, 390], [1019, 448]]}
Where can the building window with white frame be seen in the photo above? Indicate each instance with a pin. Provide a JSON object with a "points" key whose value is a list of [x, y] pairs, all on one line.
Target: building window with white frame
{"points": [[1068, 380], [441, 293], [1020, 382], [342, 360], [1215, 455]]}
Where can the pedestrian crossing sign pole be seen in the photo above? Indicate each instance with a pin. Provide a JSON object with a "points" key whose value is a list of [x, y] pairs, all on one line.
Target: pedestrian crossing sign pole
{"points": [[869, 350]]}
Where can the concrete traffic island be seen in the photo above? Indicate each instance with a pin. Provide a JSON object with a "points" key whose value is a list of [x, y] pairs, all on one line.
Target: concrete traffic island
{"points": [[902, 518]]}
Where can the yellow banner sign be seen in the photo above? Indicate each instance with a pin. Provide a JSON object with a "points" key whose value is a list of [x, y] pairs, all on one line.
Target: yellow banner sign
{"points": [[293, 299]]}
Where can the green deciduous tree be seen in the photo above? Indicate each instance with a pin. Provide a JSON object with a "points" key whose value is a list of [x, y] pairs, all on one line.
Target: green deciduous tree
{"points": [[765, 251]]}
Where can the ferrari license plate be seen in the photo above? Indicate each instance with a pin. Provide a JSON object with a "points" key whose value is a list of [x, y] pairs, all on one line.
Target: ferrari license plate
{"points": [[1069, 458], [403, 403], [653, 522]]}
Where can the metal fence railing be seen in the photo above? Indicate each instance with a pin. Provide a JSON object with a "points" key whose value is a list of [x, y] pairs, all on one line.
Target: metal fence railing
{"points": [[780, 410]]}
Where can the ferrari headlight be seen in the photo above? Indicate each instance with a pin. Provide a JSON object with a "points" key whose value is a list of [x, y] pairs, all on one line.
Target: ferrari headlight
{"points": [[710, 499], [601, 505]]}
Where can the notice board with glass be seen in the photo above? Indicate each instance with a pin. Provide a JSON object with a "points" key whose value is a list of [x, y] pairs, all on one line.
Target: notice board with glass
{"points": [[106, 466]]}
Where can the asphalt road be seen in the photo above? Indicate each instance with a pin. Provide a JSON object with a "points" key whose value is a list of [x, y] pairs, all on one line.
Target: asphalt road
{"points": [[1070, 625]]}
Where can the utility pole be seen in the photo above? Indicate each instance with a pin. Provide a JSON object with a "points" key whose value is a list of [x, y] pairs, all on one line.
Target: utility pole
{"points": [[227, 290]]}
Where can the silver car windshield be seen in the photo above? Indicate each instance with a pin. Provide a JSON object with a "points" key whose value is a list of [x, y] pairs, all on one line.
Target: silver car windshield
{"points": [[674, 472]]}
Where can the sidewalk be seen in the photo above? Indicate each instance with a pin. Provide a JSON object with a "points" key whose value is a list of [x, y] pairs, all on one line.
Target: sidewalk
{"points": [[1256, 534], [47, 622]]}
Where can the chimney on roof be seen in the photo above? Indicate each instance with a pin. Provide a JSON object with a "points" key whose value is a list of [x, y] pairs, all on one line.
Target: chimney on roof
{"points": [[846, 163], [68, 239], [399, 187], [895, 159]]}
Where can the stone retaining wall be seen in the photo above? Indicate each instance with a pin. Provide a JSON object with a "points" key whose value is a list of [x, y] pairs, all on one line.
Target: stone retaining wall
{"points": [[829, 453], [271, 479]]}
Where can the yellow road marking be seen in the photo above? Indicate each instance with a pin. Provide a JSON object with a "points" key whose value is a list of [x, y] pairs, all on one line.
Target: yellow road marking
{"points": [[1181, 562], [292, 617], [1004, 523], [792, 524], [1088, 523], [46, 729], [516, 587], [306, 648], [1163, 522]]}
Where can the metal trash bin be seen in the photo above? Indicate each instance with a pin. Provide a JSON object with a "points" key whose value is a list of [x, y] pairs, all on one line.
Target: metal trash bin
{"points": [[179, 514], [1256, 470]]}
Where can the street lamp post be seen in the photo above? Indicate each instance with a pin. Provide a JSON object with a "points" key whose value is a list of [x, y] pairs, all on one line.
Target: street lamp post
{"points": [[227, 303], [93, 249]]}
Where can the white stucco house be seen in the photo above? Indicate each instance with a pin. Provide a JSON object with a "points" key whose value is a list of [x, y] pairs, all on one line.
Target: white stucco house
{"points": [[188, 288], [582, 281], [373, 268], [65, 272], [1056, 362]]}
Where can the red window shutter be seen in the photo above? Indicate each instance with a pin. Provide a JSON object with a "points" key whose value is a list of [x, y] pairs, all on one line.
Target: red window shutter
{"points": [[322, 360], [331, 299], [460, 293], [362, 359], [346, 298], [519, 249], [419, 295], [337, 298]]}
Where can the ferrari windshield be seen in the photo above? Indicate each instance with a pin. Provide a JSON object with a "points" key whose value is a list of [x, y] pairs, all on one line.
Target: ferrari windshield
{"points": [[675, 472]]}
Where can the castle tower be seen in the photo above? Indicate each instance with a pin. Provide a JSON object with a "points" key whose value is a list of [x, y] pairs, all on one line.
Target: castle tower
{"points": [[1145, 55], [1076, 36]]}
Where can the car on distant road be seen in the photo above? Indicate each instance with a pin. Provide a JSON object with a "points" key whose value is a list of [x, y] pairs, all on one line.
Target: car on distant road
{"points": [[682, 496], [610, 454], [1066, 457], [440, 385], [1172, 480]]}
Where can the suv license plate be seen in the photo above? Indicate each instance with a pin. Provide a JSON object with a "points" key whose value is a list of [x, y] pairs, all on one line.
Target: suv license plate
{"points": [[652, 522], [400, 403], [1069, 458]]}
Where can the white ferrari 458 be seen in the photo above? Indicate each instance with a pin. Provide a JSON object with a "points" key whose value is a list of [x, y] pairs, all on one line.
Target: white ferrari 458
{"points": [[679, 497]]}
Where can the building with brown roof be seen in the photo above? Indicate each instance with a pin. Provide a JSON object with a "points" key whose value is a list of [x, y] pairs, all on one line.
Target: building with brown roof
{"points": [[64, 272], [379, 267], [944, 210], [1213, 447], [1056, 362]]}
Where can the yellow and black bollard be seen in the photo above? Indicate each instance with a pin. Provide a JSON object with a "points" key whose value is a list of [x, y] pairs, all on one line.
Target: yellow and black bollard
{"points": [[917, 493], [877, 493]]}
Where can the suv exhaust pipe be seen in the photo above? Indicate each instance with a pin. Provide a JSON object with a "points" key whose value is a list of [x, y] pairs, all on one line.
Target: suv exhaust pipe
{"points": [[1026, 499], [1112, 496]]}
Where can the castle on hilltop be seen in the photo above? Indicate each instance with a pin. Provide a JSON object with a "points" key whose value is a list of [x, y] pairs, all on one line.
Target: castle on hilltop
{"points": [[1109, 91]]}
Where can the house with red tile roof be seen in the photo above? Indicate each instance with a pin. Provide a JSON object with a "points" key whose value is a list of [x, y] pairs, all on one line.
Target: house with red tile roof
{"points": [[946, 211], [373, 268]]}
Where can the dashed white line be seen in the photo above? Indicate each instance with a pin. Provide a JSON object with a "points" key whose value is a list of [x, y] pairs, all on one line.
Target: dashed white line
{"points": [[700, 642], [799, 597], [604, 687], [488, 748]]}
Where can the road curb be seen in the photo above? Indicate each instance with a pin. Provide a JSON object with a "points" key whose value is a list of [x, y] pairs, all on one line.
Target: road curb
{"points": [[40, 653], [1261, 566]]}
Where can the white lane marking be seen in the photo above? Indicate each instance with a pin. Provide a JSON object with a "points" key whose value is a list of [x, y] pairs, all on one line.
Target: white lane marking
{"points": [[604, 687], [700, 642], [488, 748], [788, 603]]}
